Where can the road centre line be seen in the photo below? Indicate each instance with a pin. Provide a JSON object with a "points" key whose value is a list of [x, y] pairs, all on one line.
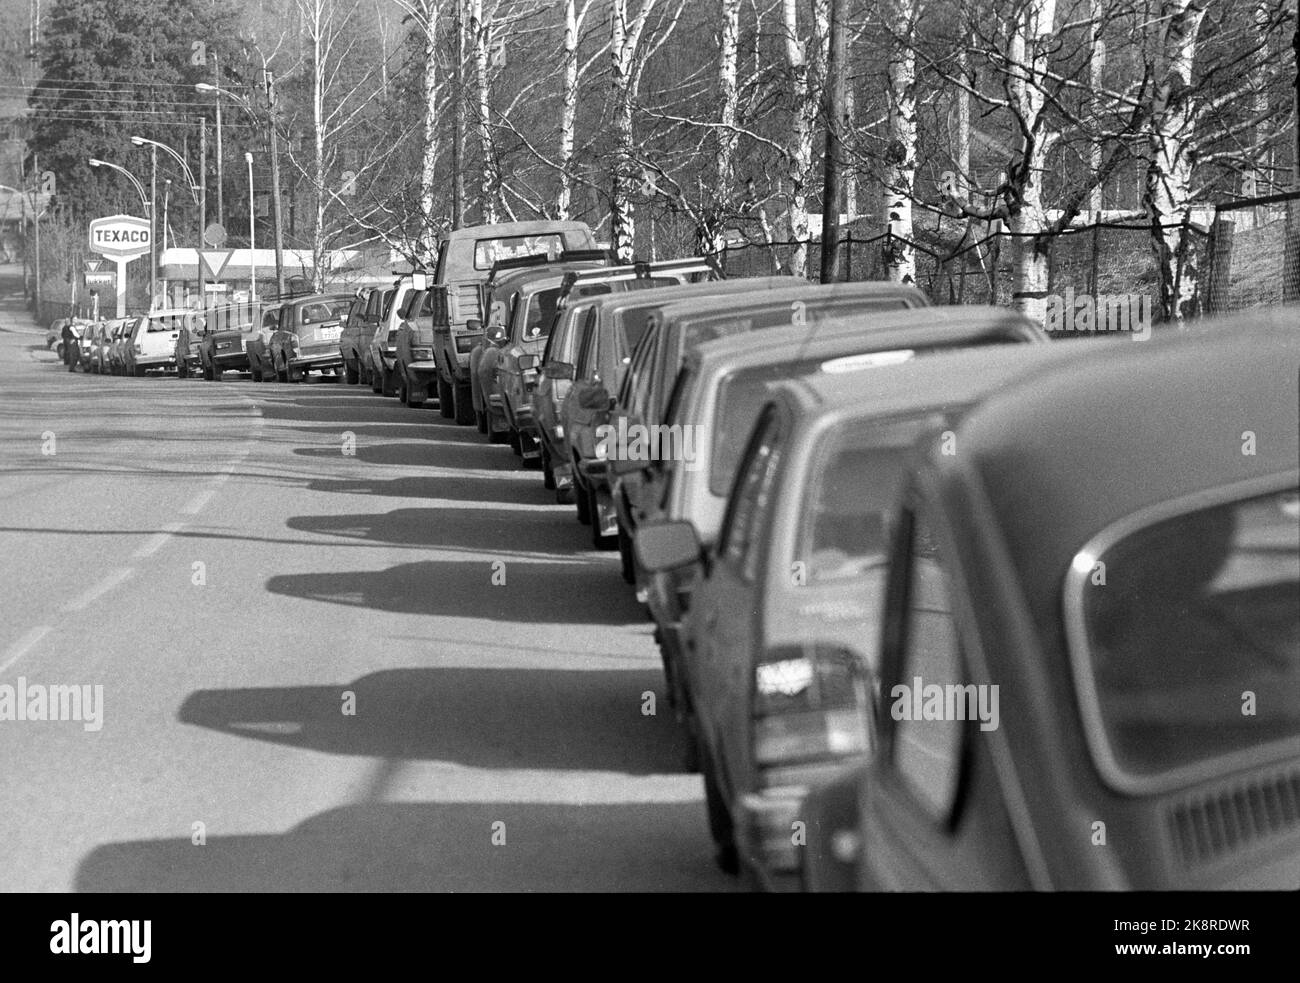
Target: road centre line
{"points": [[115, 578], [158, 540], [24, 645]]}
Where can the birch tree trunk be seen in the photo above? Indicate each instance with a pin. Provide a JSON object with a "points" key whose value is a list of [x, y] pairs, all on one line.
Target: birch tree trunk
{"points": [[319, 245], [1169, 170], [804, 58], [488, 175], [900, 258], [625, 35], [1031, 42], [568, 110], [429, 151]]}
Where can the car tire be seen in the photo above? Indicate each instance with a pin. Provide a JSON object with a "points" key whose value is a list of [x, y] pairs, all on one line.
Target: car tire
{"points": [[139, 371], [412, 402], [388, 384], [690, 743], [376, 381], [216, 373], [721, 827], [445, 398], [598, 541], [512, 437], [462, 402], [182, 370], [626, 563], [548, 473], [352, 373]]}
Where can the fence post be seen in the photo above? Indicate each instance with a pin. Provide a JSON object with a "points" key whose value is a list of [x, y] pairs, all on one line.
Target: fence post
{"points": [[1221, 234]]}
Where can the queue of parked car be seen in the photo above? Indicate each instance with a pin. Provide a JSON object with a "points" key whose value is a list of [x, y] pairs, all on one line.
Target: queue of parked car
{"points": [[942, 604]]}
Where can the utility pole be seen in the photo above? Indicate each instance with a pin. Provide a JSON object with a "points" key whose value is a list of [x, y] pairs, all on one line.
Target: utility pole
{"points": [[36, 223], [834, 113], [203, 207], [153, 226], [458, 130], [269, 80], [221, 193]]}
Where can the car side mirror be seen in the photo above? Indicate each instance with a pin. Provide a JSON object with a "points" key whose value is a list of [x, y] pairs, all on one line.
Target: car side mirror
{"points": [[527, 362], [663, 546], [473, 324], [596, 398], [558, 370], [496, 335]]}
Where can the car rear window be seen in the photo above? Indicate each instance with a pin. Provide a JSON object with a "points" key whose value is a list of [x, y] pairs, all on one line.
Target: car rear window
{"points": [[320, 311], [488, 252], [857, 479], [1187, 635], [164, 322]]}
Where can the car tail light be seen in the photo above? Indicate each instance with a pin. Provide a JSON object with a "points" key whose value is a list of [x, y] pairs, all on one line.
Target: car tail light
{"points": [[810, 703], [421, 354]]}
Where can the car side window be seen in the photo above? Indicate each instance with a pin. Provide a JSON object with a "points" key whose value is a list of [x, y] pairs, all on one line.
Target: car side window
{"points": [[587, 355], [929, 724], [752, 497]]}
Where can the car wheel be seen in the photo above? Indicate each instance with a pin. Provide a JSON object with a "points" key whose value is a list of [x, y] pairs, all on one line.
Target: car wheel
{"points": [[388, 383], [413, 402], [182, 370], [352, 373], [59, 349], [292, 374], [216, 373], [625, 555], [462, 402], [548, 473], [139, 371], [690, 741], [445, 399], [376, 381], [720, 824], [480, 421], [515, 444], [598, 541]]}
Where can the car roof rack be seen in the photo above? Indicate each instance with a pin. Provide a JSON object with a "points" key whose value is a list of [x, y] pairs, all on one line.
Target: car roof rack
{"points": [[542, 259]]}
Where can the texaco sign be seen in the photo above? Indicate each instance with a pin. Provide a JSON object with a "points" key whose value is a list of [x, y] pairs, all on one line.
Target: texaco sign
{"points": [[120, 237]]}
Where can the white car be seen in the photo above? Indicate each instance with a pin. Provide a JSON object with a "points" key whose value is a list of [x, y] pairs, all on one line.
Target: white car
{"points": [[153, 340]]}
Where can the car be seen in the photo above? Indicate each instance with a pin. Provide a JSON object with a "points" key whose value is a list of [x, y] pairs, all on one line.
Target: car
{"points": [[308, 336], [521, 298], [366, 334], [153, 339], [189, 356], [383, 343], [88, 346], [119, 346], [257, 345], [547, 393], [224, 346], [715, 401], [465, 258], [671, 327], [1131, 591], [414, 369], [779, 650], [358, 328], [54, 335]]}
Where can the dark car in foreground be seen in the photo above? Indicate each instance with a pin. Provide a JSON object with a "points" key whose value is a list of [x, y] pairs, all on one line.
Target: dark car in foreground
{"points": [[1114, 546], [224, 345]]}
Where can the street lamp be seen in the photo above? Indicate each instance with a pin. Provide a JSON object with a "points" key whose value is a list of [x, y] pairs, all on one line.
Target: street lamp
{"points": [[148, 213], [252, 244], [275, 163], [144, 199], [189, 176]]}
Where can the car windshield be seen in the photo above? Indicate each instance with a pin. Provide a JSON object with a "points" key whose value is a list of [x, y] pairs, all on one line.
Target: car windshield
{"points": [[539, 314], [857, 478], [1191, 634], [488, 252], [325, 310]]}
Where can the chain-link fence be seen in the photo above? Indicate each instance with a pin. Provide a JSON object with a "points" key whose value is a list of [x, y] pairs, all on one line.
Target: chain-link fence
{"points": [[1254, 253], [1099, 259]]}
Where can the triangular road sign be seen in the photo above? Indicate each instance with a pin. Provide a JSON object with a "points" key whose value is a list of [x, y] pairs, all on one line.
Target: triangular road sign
{"points": [[215, 260], [93, 265]]}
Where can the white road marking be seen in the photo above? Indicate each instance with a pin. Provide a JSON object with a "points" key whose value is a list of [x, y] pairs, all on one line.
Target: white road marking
{"points": [[24, 645], [158, 540], [100, 589], [195, 504]]}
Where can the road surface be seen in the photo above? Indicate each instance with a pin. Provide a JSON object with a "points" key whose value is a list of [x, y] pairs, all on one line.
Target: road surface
{"points": [[312, 677]]}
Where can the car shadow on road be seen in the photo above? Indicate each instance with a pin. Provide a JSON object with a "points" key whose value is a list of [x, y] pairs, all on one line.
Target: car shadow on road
{"points": [[505, 718], [428, 846], [496, 533], [425, 454], [552, 592], [527, 490]]}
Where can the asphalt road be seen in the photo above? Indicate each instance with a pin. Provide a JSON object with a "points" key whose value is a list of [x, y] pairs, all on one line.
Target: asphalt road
{"points": [[210, 556]]}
